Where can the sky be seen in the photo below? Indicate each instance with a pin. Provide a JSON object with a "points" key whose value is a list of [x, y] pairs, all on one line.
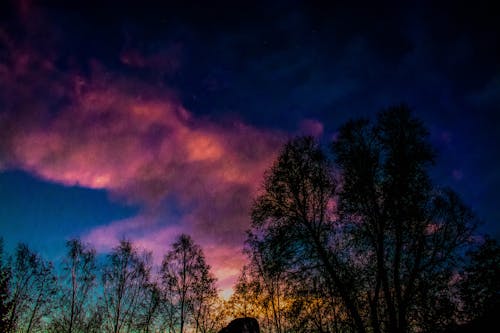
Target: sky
{"points": [[141, 121]]}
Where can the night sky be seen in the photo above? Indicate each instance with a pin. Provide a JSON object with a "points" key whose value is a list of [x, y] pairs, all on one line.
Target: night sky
{"points": [[144, 121]]}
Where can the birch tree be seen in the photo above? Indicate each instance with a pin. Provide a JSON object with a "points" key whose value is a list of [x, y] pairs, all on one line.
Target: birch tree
{"points": [[124, 277], [188, 286], [76, 285], [32, 287]]}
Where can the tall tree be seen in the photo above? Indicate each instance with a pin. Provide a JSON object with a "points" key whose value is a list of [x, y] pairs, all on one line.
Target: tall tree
{"points": [[188, 285], [32, 288], [382, 238], [125, 278], [409, 229], [293, 219], [75, 287]]}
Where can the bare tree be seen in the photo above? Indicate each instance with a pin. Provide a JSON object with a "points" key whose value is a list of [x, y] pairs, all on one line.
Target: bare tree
{"points": [[75, 288], [150, 308], [267, 270], [188, 286], [242, 302], [293, 219], [32, 288], [125, 277]]}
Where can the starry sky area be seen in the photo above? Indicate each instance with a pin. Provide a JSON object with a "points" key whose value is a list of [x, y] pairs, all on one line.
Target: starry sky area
{"points": [[141, 121]]}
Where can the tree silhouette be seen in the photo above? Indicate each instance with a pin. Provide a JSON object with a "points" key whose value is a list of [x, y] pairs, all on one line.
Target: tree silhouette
{"points": [[150, 307], [293, 220], [32, 286], [188, 285], [242, 301], [127, 298], [75, 288], [480, 284], [381, 236], [410, 229], [124, 279]]}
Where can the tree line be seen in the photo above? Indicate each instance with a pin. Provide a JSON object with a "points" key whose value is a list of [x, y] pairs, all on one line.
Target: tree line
{"points": [[358, 238], [123, 294], [353, 237]]}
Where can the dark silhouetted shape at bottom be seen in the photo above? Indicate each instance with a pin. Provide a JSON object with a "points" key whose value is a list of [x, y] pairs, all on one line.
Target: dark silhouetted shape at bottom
{"points": [[242, 325]]}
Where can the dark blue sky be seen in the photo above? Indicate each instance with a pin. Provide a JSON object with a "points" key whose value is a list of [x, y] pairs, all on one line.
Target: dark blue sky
{"points": [[268, 68], [43, 214]]}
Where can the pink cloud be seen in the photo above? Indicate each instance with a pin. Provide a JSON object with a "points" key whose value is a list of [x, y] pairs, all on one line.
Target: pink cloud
{"points": [[140, 148], [144, 150], [137, 141]]}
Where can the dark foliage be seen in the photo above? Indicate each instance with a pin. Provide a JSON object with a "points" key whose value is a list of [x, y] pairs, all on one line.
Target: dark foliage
{"points": [[371, 227], [480, 284]]}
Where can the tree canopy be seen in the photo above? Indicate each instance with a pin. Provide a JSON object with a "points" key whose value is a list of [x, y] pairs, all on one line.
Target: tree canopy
{"points": [[366, 221]]}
